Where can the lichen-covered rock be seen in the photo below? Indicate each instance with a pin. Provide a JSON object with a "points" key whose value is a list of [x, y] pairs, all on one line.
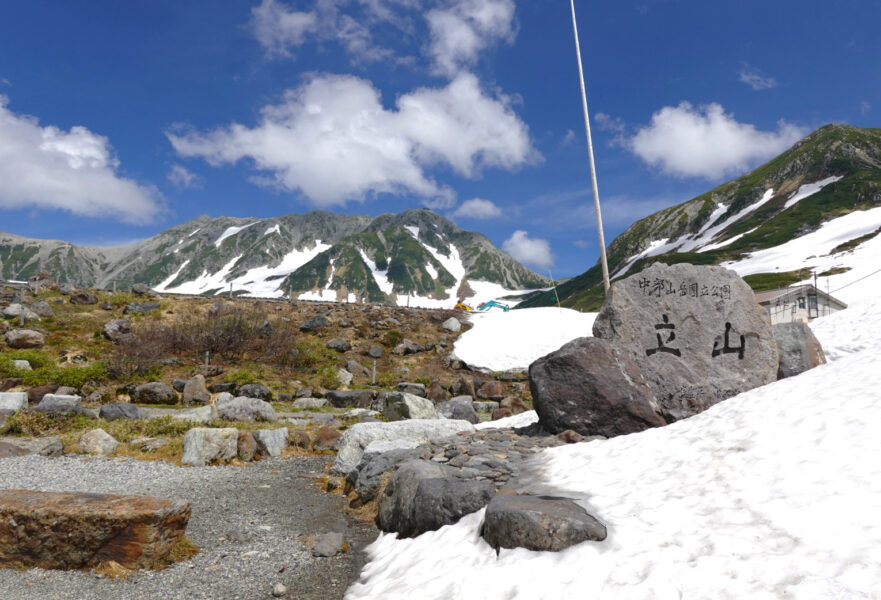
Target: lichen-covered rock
{"points": [[272, 441], [401, 405], [245, 409], [117, 330], [13, 401], [203, 445], [22, 339], [195, 392], [119, 410], [798, 349], [97, 442]]}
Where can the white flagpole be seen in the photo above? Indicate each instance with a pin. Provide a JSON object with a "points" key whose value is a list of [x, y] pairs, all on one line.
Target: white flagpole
{"points": [[593, 171]]}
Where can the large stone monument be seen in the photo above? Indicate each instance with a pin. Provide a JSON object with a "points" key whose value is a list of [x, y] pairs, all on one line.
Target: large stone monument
{"points": [[696, 333]]}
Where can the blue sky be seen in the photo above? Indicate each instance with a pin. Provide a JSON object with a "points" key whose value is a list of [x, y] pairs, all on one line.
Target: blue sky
{"points": [[121, 118]]}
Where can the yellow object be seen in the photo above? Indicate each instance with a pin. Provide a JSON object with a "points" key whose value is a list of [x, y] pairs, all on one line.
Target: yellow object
{"points": [[463, 306]]}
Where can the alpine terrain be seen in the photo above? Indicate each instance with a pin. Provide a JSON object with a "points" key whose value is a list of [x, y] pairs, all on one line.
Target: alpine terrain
{"points": [[802, 213], [416, 257]]}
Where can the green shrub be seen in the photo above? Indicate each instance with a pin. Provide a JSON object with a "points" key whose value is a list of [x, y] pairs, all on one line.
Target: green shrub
{"points": [[392, 338], [327, 378], [240, 377]]}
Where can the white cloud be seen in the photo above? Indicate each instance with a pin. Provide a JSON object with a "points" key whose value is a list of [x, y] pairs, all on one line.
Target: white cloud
{"points": [[865, 107], [568, 138], [478, 208], [46, 167], [332, 140], [463, 28], [755, 79], [278, 29], [707, 142], [183, 178], [532, 251], [607, 123]]}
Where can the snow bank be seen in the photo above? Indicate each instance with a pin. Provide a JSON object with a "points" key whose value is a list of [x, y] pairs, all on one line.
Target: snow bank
{"points": [[504, 341]]}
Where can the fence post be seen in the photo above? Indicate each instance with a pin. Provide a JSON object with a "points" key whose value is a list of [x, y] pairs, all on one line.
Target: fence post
{"points": [[373, 378]]}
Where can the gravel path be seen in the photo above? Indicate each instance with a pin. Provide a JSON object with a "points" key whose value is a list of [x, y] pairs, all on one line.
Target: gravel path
{"points": [[249, 522]]}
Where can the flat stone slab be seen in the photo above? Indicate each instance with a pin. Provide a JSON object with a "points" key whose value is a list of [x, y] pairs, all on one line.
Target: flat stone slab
{"points": [[75, 530]]}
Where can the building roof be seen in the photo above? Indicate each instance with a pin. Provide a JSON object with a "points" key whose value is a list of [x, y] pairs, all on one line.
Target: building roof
{"points": [[772, 296]]}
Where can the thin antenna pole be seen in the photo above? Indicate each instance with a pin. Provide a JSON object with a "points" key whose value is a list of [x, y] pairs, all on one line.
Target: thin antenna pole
{"points": [[556, 295], [593, 171]]}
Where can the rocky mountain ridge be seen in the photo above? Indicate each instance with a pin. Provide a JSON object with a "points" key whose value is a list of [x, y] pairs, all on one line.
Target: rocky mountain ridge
{"points": [[833, 172], [416, 256]]}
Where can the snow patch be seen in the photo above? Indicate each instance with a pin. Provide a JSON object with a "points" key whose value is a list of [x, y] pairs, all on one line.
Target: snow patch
{"points": [[204, 282], [809, 189], [381, 277], [231, 231], [265, 281], [431, 271], [274, 229]]}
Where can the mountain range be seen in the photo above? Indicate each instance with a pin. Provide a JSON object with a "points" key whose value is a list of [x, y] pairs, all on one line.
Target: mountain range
{"points": [[417, 256], [802, 213]]}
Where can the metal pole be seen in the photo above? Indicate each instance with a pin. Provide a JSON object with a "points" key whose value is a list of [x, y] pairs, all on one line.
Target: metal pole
{"points": [[21, 307], [373, 378], [554, 283], [593, 173]]}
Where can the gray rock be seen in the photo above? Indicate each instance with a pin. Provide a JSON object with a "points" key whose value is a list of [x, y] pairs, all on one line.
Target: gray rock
{"points": [[202, 414], [66, 289], [203, 445], [351, 398], [24, 338], [591, 387], [407, 347], [357, 369], [338, 345], [397, 498], [460, 407], [285, 397], [141, 289], [56, 404], [315, 323], [178, 385], [416, 389], [272, 441], [119, 410], [14, 311], [279, 590], [436, 392], [359, 436], [66, 390], [52, 449], [217, 388], [247, 446], [265, 329], [223, 397], [42, 308], [541, 523], [139, 308], [380, 457], [154, 392], [245, 409], [13, 401], [483, 406], [97, 442], [375, 352], [401, 405], [96, 397], [798, 349], [310, 403], [117, 330], [254, 390], [452, 324], [443, 501], [195, 392], [83, 298], [696, 334], [327, 544]]}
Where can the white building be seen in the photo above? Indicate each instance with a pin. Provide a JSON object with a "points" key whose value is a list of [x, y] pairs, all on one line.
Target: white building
{"points": [[798, 303]]}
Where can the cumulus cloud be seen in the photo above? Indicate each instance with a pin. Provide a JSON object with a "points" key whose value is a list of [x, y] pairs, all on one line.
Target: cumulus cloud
{"points": [[183, 178], [532, 251], [478, 208], [755, 79], [705, 141], [76, 170], [332, 140], [463, 28]]}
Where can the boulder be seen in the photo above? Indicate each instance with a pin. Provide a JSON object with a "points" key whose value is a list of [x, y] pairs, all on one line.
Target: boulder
{"points": [[482, 406], [265, 328], [195, 392], [315, 323], [344, 378], [351, 398], [119, 410], [375, 351], [9, 383], [208, 371], [42, 308], [436, 392], [491, 390], [327, 544], [464, 386], [202, 414], [357, 369], [247, 446], [140, 308], [36, 394], [359, 436], [66, 390], [590, 386], [326, 438], [515, 405], [76, 530], [15, 311], [406, 347], [242, 408], [424, 496], [401, 405], [798, 349], [310, 403], [13, 401], [178, 385], [97, 442], [460, 407], [338, 345], [416, 389], [66, 289], [217, 388], [452, 324], [154, 392], [539, 523], [380, 457], [272, 441], [57, 404], [8, 450], [696, 334], [141, 289], [203, 445], [53, 449], [254, 390], [117, 330], [24, 338], [83, 298]]}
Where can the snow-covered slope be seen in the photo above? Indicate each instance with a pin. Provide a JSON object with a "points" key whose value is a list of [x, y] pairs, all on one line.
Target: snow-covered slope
{"points": [[772, 494]]}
